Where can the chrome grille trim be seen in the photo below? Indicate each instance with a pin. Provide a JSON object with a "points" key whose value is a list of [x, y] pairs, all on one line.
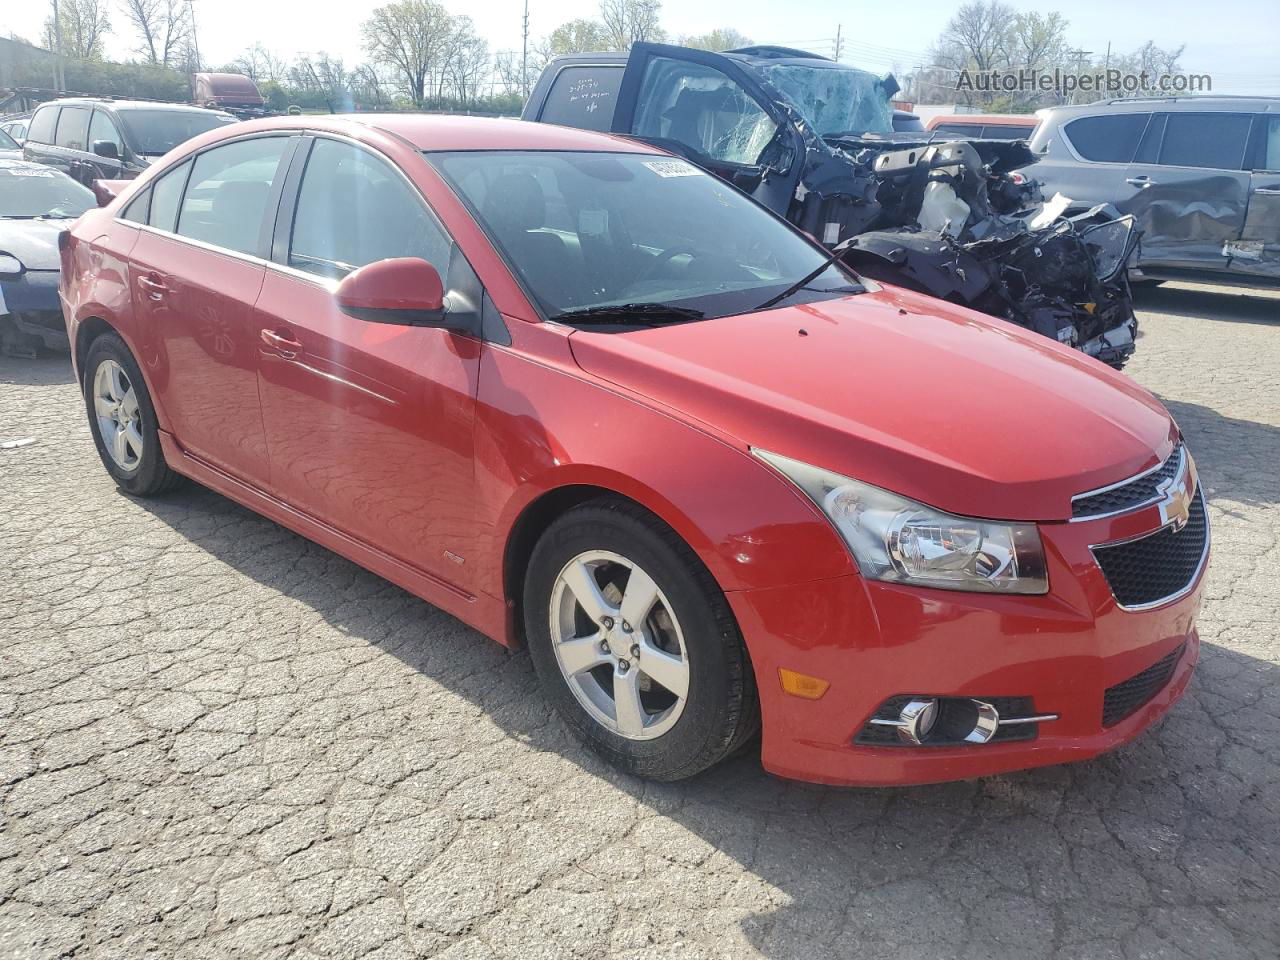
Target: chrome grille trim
{"points": [[1179, 452]]}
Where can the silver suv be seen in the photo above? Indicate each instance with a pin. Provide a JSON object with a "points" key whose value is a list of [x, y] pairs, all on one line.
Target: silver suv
{"points": [[1201, 175]]}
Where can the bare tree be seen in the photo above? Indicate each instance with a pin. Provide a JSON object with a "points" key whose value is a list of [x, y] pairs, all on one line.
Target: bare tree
{"points": [[367, 86], [326, 76], [409, 36], [722, 38], [163, 28], [630, 21], [261, 65], [1038, 40], [980, 30], [84, 24], [466, 61]]}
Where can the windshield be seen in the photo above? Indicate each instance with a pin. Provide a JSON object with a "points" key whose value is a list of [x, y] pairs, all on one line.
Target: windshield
{"points": [[586, 230], [7, 142], [41, 192], [155, 132], [834, 99]]}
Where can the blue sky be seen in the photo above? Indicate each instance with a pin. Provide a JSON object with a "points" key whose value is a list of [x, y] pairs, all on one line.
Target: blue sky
{"points": [[1235, 43]]}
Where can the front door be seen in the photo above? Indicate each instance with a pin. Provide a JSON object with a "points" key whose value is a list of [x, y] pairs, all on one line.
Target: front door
{"points": [[708, 108], [1258, 251], [369, 425], [1188, 188], [196, 272]]}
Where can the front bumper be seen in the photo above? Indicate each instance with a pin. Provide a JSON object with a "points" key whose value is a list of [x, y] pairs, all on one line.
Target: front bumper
{"points": [[34, 310], [874, 640]]}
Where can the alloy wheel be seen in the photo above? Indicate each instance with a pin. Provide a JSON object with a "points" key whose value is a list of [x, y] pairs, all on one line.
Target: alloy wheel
{"points": [[619, 645], [115, 404]]}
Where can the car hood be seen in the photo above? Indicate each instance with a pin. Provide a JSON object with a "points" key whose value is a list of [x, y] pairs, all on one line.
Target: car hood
{"points": [[33, 242], [939, 403]]}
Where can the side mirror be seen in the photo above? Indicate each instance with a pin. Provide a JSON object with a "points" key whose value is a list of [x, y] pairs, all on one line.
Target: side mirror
{"points": [[404, 290], [106, 148]]}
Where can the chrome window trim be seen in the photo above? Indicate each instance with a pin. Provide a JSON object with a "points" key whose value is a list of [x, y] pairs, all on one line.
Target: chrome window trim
{"points": [[1191, 583], [326, 283], [1180, 450]]}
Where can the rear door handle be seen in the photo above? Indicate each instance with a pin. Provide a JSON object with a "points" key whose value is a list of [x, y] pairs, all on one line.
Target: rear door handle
{"points": [[284, 345], [1140, 181], [1268, 191], [153, 288]]}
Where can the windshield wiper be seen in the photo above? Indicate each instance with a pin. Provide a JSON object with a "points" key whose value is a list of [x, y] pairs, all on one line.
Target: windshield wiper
{"points": [[836, 253], [630, 313]]}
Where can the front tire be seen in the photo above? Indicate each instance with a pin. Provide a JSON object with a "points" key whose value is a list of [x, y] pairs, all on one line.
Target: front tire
{"points": [[635, 644], [123, 419]]}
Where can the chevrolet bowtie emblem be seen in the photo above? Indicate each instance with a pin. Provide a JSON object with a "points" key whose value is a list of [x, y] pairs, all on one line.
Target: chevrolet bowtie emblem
{"points": [[1176, 494]]}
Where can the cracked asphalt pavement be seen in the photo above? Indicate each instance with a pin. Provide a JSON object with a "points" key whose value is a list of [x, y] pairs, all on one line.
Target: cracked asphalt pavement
{"points": [[220, 740]]}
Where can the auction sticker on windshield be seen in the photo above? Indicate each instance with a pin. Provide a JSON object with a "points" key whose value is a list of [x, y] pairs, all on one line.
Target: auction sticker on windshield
{"points": [[672, 168]]}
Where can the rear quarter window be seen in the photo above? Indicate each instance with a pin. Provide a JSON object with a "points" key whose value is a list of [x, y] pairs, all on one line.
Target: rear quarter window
{"points": [[1112, 138], [583, 97], [959, 129], [42, 124]]}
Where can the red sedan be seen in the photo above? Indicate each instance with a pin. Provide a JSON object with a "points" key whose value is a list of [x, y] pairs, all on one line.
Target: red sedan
{"points": [[590, 399]]}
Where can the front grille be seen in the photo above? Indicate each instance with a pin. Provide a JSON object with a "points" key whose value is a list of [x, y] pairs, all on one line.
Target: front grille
{"points": [[1127, 496], [1124, 698], [875, 735], [1160, 566]]}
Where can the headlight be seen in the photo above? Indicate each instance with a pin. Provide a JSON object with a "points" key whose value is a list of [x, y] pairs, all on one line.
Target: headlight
{"points": [[10, 264], [896, 539]]}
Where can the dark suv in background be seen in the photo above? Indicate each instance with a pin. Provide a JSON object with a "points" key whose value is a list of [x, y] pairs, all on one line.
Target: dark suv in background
{"points": [[1200, 174], [96, 139]]}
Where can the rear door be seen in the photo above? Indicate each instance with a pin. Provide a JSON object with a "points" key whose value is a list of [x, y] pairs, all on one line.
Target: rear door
{"points": [[71, 142], [1258, 251], [1188, 189], [196, 272], [579, 95], [707, 107]]}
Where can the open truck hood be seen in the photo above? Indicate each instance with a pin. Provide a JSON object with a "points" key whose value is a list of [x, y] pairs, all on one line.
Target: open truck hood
{"points": [[942, 404]]}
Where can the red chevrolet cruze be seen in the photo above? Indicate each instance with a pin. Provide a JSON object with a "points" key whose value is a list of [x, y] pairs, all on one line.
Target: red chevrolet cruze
{"points": [[588, 398]]}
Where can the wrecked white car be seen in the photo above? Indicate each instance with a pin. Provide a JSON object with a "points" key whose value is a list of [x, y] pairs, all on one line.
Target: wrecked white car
{"points": [[814, 141]]}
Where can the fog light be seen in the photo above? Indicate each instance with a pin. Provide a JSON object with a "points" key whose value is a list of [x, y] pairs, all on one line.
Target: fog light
{"points": [[917, 719], [802, 685]]}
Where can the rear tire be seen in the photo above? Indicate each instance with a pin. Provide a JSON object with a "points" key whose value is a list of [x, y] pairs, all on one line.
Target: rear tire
{"points": [[123, 420], [588, 656]]}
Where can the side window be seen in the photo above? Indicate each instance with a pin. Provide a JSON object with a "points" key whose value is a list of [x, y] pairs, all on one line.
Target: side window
{"points": [[1270, 156], [101, 127], [699, 106], [959, 129], [138, 208], [1006, 132], [42, 124], [1110, 138], [1205, 140], [227, 194], [73, 128], [166, 192], [354, 208], [583, 97]]}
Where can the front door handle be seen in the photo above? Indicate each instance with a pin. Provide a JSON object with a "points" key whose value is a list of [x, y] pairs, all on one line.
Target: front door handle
{"points": [[154, 289], [283, 344], [1140, 181]]}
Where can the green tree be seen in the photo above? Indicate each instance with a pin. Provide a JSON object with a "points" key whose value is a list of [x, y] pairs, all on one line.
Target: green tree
{"points": [[721, 38]]}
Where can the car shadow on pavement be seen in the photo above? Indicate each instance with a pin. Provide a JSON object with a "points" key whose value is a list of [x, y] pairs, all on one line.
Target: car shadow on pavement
{"points": [[49, 369], [1236, 458], [1143, 846], [1225, 305]]}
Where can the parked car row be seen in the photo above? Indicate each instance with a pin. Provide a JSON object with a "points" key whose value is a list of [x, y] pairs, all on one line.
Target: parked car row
{"points": [[590, 398]]}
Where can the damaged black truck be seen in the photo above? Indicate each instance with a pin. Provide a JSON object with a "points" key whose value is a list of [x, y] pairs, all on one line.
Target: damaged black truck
{"points": [[814, 141]]}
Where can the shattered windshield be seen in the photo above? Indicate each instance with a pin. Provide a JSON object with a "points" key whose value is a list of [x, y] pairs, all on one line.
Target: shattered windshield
{"points": [[834, 99]]}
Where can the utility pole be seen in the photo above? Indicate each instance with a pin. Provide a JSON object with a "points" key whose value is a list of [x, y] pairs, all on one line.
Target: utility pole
{"points": [[524, 52], [838, 43], [195, 34], [59, 68], [1079, 54]]}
